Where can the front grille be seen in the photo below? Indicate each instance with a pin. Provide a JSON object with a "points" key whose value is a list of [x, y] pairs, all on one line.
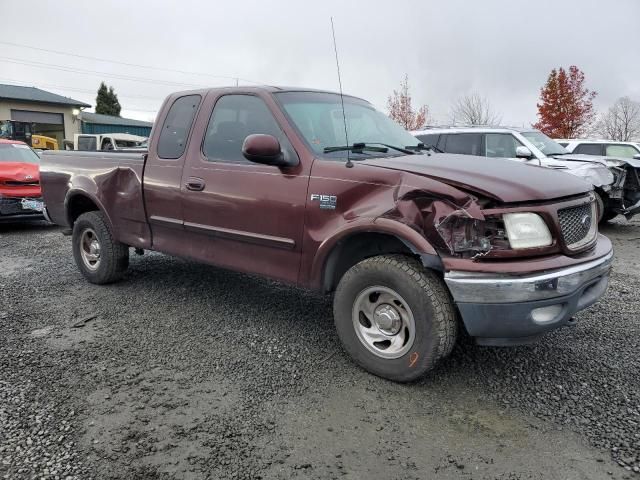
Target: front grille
{"points": [[14, 183], [578, 225]]}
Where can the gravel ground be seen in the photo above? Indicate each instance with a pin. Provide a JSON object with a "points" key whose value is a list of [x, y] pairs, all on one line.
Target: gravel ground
{"points": [[187, 371]]}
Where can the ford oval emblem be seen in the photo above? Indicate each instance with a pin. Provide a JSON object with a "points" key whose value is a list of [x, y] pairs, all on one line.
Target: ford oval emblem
{"points": [[585, 221]]}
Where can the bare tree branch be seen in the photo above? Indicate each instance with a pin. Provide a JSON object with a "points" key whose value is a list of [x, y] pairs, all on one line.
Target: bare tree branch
{"points": [[474, 109], [621, 122]]}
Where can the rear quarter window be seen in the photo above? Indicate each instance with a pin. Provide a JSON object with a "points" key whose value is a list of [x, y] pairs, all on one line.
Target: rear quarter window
{"points": [[87, 143], [177, 125], [588, 149], [429, 139]]}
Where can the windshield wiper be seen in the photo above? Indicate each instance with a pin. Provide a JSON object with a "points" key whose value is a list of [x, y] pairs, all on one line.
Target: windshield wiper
{"points": [[356, 148], [405, 150], [422, 146]]}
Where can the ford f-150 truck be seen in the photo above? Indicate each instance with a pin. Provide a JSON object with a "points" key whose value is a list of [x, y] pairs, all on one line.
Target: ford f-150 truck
{"points": [[415, 245]]}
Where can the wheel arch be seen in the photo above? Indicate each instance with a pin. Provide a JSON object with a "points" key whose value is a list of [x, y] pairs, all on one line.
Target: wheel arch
{"points": [[78, 202], [352, 245]]}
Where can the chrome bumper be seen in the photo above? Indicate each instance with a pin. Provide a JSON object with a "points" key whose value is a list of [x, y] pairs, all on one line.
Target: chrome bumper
{"points": [[469, 287]]}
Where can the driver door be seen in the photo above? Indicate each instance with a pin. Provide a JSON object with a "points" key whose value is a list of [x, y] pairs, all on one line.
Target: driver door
{"points": [[238, 214]]}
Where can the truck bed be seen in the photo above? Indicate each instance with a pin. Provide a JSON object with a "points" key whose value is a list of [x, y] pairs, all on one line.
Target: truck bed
{"points": [[111, 180]]}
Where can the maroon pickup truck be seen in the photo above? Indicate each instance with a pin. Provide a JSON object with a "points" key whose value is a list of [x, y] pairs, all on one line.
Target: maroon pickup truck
{"points": [[415, 245]]}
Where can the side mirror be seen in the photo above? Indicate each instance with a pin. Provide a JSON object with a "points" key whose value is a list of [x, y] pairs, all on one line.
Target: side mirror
{"points": [[523, 152], [637, 157], [265, 149]]}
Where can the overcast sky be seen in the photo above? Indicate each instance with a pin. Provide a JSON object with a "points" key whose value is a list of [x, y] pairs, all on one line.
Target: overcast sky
{"points": [[503, 49]]}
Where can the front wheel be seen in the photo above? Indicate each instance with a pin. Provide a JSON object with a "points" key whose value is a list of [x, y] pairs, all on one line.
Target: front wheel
{"points": [[395, 318], [99, 257]]}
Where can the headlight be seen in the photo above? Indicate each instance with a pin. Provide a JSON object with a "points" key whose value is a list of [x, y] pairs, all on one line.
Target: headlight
{"points": [[526, 230]]}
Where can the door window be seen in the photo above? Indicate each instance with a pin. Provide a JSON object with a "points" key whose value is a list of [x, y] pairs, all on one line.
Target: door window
{"points": [[501, 145], [624, 151], [234, 118], [176, 127], [464, 143], [589, 149], [107, 144]]}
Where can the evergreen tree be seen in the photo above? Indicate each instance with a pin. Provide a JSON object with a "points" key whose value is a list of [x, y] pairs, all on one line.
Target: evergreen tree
{"points": [[107, 101]]}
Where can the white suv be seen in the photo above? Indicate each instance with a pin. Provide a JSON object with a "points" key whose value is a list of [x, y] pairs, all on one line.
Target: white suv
{"points": [[608, 148], [616, 180]]}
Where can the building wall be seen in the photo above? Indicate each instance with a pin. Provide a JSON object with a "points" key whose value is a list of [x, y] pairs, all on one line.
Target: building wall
{"points": [[71, 124], [98, 128]]}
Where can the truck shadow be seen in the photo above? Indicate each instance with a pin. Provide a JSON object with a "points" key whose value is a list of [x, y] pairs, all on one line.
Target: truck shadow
{"points": [[26, 226]]}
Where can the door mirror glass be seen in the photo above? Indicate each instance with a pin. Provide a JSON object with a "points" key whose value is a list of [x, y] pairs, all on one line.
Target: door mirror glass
{"points": [[265, 149], [523, 152]]}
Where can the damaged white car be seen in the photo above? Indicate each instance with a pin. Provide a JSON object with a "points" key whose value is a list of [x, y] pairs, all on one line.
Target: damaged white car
{"points": [[616, 181]]}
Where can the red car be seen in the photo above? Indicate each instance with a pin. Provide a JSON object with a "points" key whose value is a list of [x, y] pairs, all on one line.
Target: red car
{"points": [[20, 194]]}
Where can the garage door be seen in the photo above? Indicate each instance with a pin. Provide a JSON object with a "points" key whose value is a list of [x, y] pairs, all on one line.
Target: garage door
{"points": [[37, 117]]}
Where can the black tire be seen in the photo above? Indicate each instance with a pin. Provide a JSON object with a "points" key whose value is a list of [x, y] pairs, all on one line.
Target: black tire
{"points": [[604, 214], [113, 256], [426, 296], [608, 215]]}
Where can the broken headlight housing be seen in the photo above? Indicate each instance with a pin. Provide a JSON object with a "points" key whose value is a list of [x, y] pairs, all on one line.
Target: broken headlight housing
{"points": [[526, 230], [466, 235]]}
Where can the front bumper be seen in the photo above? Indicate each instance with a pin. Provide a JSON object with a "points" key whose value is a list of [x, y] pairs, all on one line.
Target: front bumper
{"points": [[512, 309]]}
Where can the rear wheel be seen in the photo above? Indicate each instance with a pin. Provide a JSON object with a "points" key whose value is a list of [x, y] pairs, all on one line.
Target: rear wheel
{"points": [[394, 318], [98, 256]]}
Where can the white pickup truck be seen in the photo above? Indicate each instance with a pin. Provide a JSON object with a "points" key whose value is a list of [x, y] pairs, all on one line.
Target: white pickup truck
{"points": [[108, 141]]}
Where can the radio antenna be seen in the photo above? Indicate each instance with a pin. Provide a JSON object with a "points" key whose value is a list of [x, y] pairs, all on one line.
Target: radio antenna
{"points": [[344, 116]]}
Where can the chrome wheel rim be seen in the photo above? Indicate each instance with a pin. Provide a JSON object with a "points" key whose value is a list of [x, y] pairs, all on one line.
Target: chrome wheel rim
{"points": [[383, 322], [90, 249]]}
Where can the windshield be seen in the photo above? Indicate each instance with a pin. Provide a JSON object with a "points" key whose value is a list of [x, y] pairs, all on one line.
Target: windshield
{"points": [[544, 143], [318, 117], [17, 152]]}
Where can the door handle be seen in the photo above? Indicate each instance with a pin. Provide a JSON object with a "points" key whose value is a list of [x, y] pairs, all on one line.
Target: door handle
{"points": [[195, 184]]}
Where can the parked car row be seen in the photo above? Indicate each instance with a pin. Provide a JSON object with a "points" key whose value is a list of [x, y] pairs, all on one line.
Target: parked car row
{"points": [[615, 178], [327, 193]]}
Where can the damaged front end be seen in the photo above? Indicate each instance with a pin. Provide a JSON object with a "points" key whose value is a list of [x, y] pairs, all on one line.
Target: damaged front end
{"points": [[461, 231], [471, 237], [624, 194]]}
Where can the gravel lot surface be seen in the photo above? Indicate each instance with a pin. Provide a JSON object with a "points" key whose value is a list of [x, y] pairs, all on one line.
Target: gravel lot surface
{"points": [[187, 371]]}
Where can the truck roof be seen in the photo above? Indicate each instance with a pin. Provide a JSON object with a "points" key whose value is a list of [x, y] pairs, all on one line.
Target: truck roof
{"points": [[256, 89]]}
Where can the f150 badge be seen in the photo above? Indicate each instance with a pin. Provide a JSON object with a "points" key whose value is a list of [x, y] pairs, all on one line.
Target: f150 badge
{"points": [[327, 202]]}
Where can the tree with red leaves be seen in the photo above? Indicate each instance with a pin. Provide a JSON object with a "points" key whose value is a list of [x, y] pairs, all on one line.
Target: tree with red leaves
{"points": [[401, 110], [566, 106]]}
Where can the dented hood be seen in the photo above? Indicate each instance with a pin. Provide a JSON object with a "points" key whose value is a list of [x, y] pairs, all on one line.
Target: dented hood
{"points": [[19, 172], [497, 178]]}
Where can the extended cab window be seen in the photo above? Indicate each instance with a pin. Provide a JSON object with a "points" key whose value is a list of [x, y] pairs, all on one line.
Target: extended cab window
{"points": [[624, 151], [501, 145], [589, 149], [176, 127], [464, 143], [234, 118]]}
